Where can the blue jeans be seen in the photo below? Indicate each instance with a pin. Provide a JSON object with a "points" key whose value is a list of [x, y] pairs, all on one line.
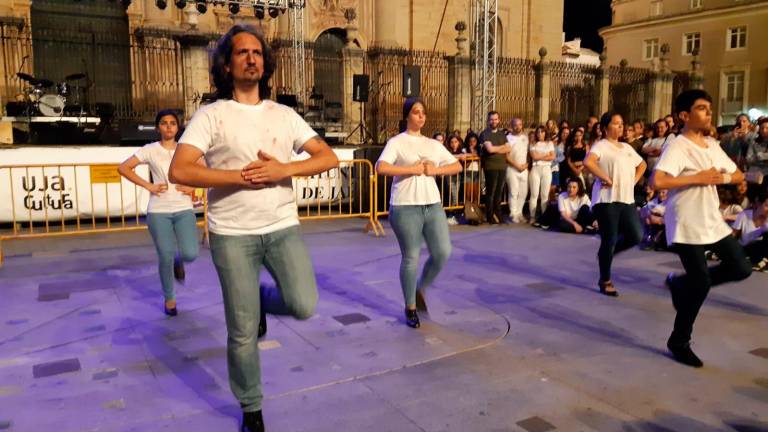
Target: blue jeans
{"points": [[620, 229], [169, 230], [411, 223], [238, 260]]}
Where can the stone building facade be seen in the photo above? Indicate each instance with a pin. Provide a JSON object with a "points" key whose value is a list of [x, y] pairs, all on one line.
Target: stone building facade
{"points": [[724, 39]]}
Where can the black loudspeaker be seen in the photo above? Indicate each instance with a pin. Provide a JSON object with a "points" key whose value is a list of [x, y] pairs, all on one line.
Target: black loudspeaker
{"points": [[360, 85], [288, 100], [411, 81]]}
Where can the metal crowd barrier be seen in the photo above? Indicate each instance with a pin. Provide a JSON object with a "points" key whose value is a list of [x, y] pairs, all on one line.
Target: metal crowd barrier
{"points": [[455, 190], [79, 199]]}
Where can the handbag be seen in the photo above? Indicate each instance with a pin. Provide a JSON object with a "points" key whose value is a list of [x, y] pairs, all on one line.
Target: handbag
{"points": [[472, 213]]}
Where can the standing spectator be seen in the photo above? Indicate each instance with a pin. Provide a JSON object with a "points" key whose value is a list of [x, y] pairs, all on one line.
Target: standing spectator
{"points": [[472, 175], [639, 128], [439, 137], [559, 162], [542, 153], [617, 168], [632, 139], [495, 148], [737, 142], [517, 170], [591, 122], [661, 136], [455, 181], [757, 154], [595, 135]]}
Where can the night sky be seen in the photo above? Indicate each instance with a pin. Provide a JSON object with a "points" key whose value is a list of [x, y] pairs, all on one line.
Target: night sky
{"points": [[583, 18]]}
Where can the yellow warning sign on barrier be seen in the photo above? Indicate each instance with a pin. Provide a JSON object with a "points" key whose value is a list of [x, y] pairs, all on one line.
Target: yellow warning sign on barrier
{"points": [[104, 174]]}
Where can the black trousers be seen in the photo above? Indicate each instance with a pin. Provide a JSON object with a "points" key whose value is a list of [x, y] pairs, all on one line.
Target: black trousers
{"points": [[690, 290], [620, 229], [584, 218], [494, 188]]}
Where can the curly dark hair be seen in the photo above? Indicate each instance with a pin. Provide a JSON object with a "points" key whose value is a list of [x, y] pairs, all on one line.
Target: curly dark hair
{"points": [[222, 58]]}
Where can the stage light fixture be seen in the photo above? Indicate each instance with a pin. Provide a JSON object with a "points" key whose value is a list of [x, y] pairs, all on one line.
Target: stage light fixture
{"points": [[181, 4], [201, 6], [234, 8], [161, 4], [273, 11], [258, 10]]}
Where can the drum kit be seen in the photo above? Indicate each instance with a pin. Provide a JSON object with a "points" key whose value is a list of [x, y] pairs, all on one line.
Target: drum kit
{"points": [[44, 97]]}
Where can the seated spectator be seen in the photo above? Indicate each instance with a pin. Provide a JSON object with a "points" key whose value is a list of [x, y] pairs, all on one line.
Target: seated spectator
{"points": [[652, 215], [728, 207], [741, 196], [574, 208], [750, 228], [652, 148], [757, 155]]}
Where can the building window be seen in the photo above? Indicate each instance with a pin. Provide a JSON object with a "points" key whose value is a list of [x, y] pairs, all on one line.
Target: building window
{"points": [[657, 7], [696, 4], [650, 49], [734, 87], [691, 43], [737, 37]]}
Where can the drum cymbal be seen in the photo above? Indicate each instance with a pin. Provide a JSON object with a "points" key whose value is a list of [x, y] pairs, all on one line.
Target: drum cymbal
{"points": [[74, 77], [42, 82]]}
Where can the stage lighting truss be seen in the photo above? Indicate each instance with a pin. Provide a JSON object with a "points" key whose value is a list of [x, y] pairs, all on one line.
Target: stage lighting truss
{"points": [[261, 8]]}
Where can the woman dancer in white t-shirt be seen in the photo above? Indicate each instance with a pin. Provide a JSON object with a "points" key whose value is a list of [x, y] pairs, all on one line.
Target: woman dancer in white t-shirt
{"points": [[415, 207], [690, 167], [170, 218], [617, 168]]}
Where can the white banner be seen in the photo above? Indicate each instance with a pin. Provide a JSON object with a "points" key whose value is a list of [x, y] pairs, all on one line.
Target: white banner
{"points": [[54, 193]]}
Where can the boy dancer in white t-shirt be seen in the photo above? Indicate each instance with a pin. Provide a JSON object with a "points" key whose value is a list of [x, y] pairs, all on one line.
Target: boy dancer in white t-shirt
{"points": [[247, 141], [691, 167]]}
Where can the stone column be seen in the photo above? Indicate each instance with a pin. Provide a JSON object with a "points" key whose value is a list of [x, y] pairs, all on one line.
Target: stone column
{"points": [[696, 74], [195, 71], [460, 83], [541, 103], [392, 23], [352, 58], [603, 86]]}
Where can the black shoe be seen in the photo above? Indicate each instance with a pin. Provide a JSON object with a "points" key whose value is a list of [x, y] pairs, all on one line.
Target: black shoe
{"points": [[684, 354], [421, 304], [178, 270], [170, 311], [252, 422], [412, 319], [604, 289]]}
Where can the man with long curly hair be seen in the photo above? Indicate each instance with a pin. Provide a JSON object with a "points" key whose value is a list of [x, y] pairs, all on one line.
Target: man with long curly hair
{"points": [[247, 141]]}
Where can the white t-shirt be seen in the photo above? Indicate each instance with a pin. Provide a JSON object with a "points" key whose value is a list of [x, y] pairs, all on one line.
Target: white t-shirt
{"points": [[657, 143], [542, 148], [693, 213], [519, 145], [404, 150], [159, 160], [570, 206], [230, 134], [620, 164], [749, 232]]}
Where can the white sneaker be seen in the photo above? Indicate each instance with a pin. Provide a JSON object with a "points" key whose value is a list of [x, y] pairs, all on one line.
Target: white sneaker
{"points": [[452, 221], [762, 266]]}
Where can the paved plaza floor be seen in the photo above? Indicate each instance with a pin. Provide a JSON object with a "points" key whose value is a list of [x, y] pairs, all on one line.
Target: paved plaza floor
{"points": [[517, 339]]}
